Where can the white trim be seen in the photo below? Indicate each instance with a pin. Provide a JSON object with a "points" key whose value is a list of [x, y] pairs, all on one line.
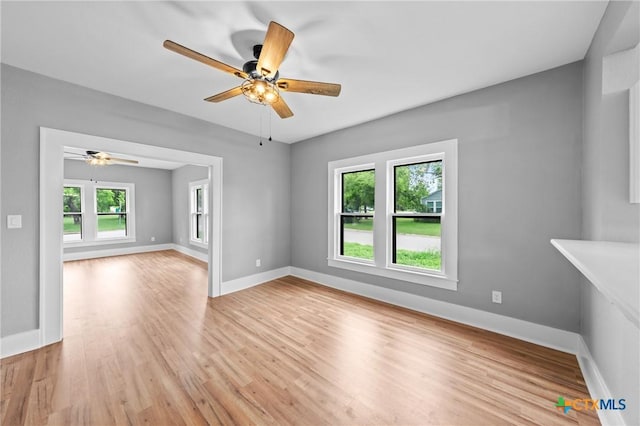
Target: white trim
{"points": [[253, 280], [198, 244], [94, 254], [18, 343], [543, 335], [598, 388], [100, 242], [438, 281], [52, 144], [383, 163], [634, 143], [202, 184], [215, 227], [204, 257], [51, 239], [90, 216]]}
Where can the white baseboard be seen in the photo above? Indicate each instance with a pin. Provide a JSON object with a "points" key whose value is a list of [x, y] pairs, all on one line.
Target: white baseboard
{"points": [[253, 280], [598, 388], [191, 252], [543, 335], [19, 343], [93, 254]]}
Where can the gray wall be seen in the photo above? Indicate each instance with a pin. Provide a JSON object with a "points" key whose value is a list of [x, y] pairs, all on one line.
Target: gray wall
{"points": [[153, 200], [612, 339], [519, 186], [256, 187], [180, 179]]}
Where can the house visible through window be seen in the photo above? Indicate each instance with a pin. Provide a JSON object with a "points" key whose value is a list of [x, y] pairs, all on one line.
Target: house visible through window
{"points": [[199, 212], [415, 223], [411, 234], [98, 213]]}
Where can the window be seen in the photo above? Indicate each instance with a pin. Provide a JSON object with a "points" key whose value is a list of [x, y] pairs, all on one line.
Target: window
{"points": [[356, 216], [96, 213], [112, 212], [72, 213], [199, 212], [412, 234], [415, 221]]}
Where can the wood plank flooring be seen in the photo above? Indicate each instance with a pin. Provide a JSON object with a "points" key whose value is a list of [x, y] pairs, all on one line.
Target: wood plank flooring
{"points": [[144, 345]]}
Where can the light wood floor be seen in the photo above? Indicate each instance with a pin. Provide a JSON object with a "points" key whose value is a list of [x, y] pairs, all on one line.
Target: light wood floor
{"points": [[144, 345]]}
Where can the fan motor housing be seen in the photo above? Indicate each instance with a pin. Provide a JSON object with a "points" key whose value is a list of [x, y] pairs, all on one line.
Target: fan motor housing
{"points": [[250, 67]]}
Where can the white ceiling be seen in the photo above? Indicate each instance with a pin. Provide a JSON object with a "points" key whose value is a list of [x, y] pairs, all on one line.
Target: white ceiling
{"points": [[388, 56]]}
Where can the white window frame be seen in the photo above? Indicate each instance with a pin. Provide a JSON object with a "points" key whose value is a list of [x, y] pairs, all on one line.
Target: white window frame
{"points": [[82, 210], [90, 216], [338, 210], [203, 185], [129, 189], [383, 164], [634, 143]]}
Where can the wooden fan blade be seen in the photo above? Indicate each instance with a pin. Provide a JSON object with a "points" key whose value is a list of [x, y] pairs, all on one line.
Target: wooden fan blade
{"points": [[274, 47], [225, 95], [122, 160], [192, 54], [311, 87], [281, 107]]}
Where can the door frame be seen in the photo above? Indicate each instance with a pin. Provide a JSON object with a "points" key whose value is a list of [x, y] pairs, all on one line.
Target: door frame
{"points": [[52, 144]]}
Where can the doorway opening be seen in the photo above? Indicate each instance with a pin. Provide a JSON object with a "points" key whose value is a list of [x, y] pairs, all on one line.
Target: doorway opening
{"points": [[53, 144]]}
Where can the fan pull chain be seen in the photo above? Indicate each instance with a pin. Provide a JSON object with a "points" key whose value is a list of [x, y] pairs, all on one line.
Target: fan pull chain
{"points": [[260, 144], [270, 115]]}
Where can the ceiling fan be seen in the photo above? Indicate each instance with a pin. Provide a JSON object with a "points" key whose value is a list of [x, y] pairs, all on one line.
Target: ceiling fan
{"points": [[262, 83], [101, 158]]}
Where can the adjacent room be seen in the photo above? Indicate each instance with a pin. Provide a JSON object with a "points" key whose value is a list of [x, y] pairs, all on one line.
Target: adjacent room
{"points": [[341, 212]]}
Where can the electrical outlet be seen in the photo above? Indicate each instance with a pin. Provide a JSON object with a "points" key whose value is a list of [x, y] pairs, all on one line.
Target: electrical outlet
{"points": [[14, 221], [496, 296], [153, 239], [258, 263]]}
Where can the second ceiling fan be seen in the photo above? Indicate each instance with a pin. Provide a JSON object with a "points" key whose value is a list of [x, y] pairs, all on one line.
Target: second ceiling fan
{"points": [[262, 83]]}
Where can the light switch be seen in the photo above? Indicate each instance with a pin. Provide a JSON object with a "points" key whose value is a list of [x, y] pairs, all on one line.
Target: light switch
{"points": [[14, 221]]}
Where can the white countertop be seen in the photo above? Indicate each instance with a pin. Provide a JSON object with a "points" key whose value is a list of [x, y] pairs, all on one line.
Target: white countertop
{"points": [[612, 267]]}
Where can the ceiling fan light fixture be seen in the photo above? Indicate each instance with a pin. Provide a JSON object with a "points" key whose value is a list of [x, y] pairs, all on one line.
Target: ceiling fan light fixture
{"points": [[93, 161], [260, 91]]}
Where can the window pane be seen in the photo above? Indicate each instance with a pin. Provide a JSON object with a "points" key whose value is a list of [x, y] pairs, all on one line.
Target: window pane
{"points": [[111, 200], [199, 227], [418, 187], [417, 242], [112, 225], [199, 200], [358, 191], [72, 225], [71, 199], [357, 237]]}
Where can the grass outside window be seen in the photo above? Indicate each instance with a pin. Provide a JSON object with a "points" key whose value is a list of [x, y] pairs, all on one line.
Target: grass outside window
{"points": [[430, 259], [404, 226]]}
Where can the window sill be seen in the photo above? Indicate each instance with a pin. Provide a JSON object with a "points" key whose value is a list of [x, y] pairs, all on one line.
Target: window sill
{"points": [[99, 242], [432, 280], [199, 244]]}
